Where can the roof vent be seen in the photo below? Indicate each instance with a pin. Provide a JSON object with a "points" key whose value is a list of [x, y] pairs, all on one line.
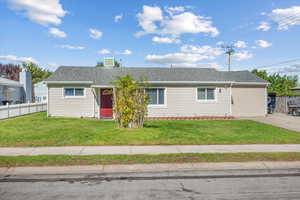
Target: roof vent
{"points": [[109, 62]]}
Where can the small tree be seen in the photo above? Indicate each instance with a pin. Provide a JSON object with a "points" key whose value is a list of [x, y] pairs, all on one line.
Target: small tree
{"points": [[38, 73], [130, 102], [280, 84]]}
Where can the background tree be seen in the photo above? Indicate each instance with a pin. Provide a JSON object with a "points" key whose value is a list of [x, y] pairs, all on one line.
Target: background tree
{"points": [[11, 71], [38, 73], [130, 102], [278, 84], [100, 64]]}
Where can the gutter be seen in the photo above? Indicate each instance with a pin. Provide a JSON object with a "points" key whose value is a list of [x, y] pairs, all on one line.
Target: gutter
{"points": [[102, 86], [161, 82], [209, 82], [68, 82], [250, 83]]}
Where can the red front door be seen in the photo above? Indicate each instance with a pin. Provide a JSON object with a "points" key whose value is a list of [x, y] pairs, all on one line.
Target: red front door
{"points": [[106, 100]]}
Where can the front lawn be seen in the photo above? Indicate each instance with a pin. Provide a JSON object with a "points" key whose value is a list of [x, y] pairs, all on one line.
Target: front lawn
{"points": [[38, 130]]}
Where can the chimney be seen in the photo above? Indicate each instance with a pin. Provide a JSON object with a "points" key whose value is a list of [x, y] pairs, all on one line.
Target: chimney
{"points": [[26, 81]]}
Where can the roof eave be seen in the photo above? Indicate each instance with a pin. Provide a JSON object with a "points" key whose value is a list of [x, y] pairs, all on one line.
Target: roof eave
{"points": [[69, 82], [251, 83]]}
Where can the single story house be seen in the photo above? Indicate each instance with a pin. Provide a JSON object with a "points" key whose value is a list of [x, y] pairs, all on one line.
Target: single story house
{"points": [[173, 92]]}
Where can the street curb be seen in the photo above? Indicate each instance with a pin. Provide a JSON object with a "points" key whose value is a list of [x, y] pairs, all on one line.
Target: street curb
{"points": [[169, 167]]}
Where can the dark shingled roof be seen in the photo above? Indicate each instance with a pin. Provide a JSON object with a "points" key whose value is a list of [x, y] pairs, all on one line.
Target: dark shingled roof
{"points": [[105, 76]]}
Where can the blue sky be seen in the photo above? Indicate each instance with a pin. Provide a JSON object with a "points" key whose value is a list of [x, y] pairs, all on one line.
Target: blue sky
{"points": [[152, 33]]}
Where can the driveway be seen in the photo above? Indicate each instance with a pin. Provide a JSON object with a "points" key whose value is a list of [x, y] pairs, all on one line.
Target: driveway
{"points": [[280, 120]]}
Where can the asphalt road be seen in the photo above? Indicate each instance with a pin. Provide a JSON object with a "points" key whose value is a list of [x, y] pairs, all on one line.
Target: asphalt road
{"points": [[240, 185]]}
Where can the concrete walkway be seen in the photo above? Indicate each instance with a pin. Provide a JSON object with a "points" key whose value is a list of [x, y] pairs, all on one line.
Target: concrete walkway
{"points": [[130, 150], [280, 120], [168, 167]]}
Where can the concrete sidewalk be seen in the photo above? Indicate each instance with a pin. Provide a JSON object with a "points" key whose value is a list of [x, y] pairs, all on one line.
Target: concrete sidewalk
{"points": [[130, 150], [169, 167]]}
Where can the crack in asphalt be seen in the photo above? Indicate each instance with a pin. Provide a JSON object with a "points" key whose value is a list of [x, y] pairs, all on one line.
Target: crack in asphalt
{"points": [[184, 189], [137, 178]]}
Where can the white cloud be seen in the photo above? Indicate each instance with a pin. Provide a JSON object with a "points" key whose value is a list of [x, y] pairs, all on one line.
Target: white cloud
{"points": [[264, 26], [166, 40], [240, 44], [13, 58], [152, 21], [220, 43], [147, 19], [189, 56], [66, 46], [104, 51], [95, 34], [286, 18], [118, 18], [205, 50], [263, 43], [243, 55], [42, 12], [126, 52], [188, 22], [57, 33], [176, 58], [198, 65], [176, 9]]}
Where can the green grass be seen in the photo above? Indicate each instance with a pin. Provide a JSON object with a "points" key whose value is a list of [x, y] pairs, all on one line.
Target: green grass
{"points": [[61, 160], [38, 130]]}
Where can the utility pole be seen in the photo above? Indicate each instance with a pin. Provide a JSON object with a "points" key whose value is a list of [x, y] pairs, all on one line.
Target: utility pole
{"points": [[229, 50]]}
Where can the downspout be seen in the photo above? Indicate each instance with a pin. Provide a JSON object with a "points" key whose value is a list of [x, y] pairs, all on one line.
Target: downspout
{"points": [[93, 91], [230, 103], [48, 98]]}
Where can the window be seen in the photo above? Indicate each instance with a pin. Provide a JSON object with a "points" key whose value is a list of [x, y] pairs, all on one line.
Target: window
{"points": [[72, 92], [204, 94], [156, 96]]}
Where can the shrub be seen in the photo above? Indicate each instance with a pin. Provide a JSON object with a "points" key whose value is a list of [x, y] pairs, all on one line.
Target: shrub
{"points": [[130, 102]]}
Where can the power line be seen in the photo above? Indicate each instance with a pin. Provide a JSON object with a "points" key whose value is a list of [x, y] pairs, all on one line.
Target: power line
{"points": [[279, 63], [287, 20]]}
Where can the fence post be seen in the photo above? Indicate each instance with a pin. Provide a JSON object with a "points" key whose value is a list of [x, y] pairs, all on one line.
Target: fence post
{"points": [[28, 107]]}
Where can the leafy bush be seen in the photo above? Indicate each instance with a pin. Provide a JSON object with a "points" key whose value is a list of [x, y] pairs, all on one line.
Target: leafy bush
{"points": [[130, 102]]}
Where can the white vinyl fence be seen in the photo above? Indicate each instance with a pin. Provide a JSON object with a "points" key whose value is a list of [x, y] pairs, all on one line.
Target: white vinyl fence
{"points": [[10, 111]]}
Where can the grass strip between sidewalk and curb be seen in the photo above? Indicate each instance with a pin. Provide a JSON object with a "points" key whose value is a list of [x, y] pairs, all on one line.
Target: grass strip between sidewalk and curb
{"points": [[64, 160]]}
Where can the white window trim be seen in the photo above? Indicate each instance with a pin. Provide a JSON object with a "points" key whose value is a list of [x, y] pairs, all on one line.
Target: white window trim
{"points": [[74, 97], [165, 98], [207, 100]]}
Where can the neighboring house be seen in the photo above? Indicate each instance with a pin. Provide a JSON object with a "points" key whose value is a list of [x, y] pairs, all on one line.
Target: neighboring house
{"points": [[13, 92], [173, 92], [296, 89], [10, 91], [40, 92]]}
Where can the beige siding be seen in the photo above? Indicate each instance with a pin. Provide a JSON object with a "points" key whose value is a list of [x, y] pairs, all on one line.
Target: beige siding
{"points": [[182, 101], [71, 106], [249, 101]]}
